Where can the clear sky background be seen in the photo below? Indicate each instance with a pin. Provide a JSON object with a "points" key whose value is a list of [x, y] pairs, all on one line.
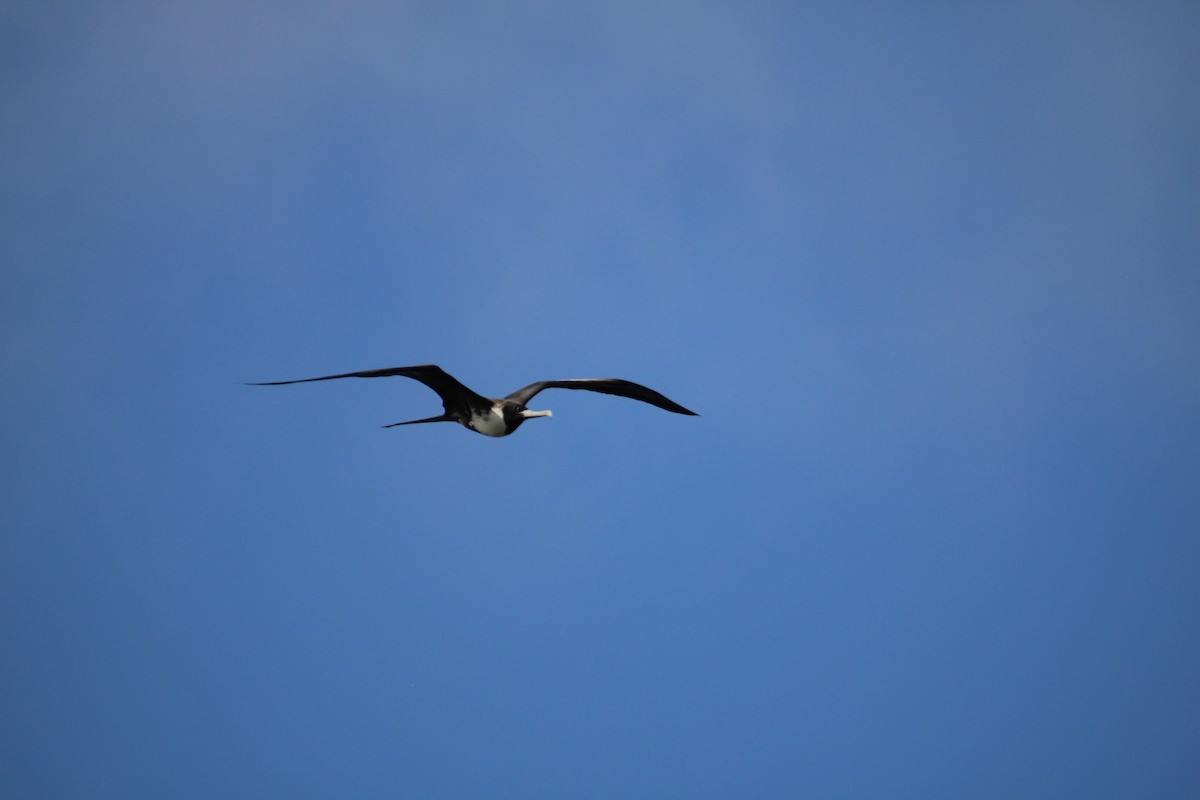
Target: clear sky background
{"points": [[930, 272]]}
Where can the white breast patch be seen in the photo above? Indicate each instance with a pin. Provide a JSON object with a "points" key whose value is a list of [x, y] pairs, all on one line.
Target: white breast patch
{"points": [[490, 423]]}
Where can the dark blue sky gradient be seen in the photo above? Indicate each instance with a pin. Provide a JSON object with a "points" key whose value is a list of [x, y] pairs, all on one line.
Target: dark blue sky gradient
{"points": [[927, 271]]}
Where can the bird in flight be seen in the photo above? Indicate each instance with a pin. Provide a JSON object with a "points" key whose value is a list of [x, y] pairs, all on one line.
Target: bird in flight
{"points": [[496, 416]]}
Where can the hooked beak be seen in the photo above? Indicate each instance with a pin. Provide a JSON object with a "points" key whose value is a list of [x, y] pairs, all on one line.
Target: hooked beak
{"points": [[527, 414]]}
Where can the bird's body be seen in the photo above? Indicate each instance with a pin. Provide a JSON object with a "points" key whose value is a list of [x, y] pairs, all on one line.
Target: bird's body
{"points": [[497, 416], [494, 421]]}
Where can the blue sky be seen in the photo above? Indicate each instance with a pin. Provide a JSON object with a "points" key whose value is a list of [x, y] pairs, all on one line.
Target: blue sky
{"points": [[927, 271]]}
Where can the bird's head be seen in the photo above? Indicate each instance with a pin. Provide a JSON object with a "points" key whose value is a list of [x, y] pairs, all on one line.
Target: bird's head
{"points": [[515, 414]]}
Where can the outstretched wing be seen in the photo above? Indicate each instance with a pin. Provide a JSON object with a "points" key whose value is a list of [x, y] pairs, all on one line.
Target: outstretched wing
{"points": [[454, 395], [621, 388]]}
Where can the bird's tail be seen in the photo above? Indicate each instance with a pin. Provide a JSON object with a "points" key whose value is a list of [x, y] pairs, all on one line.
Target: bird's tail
{"points": [[440, 418]]}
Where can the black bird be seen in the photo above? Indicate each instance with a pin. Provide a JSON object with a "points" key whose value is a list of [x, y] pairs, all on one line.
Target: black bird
{"points": [[496, 416]]}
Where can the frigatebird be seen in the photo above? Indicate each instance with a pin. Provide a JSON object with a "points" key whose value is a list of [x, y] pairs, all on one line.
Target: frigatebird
{"points": [[496, 416]]}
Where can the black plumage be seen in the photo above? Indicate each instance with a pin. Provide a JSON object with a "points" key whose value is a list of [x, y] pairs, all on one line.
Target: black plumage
{"points": [[496, 416]]}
